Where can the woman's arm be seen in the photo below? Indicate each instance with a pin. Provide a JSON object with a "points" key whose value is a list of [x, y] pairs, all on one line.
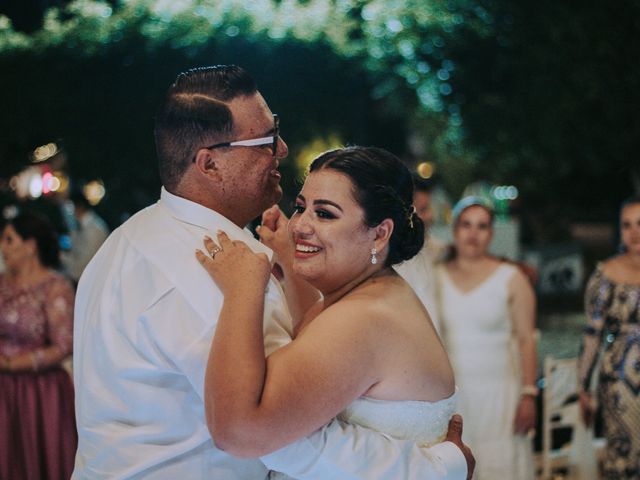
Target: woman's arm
{"points": [[597, 300], [523, 314], [255, 406], [307, 383]]}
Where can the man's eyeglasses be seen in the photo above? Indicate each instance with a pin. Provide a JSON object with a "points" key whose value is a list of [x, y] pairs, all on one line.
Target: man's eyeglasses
{"points": [[254, 142]]}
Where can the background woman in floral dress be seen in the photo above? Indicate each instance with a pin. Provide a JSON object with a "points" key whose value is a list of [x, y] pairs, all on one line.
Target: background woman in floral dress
{"points": [[612, 304], [37, 437]]}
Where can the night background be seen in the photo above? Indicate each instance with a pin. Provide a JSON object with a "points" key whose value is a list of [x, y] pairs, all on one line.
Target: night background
{"points": [[534, 99], [541, 95]]}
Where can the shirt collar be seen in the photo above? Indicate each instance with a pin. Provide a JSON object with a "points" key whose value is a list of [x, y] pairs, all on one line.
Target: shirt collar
{"points": [[200, 216]]}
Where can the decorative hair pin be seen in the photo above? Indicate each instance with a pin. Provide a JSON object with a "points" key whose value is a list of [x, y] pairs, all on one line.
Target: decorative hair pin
{"points": [[412, 210]]}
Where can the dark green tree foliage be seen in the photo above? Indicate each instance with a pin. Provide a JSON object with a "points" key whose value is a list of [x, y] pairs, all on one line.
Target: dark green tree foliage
{"points": [[96, 89], [550, 102], [542, 95]]}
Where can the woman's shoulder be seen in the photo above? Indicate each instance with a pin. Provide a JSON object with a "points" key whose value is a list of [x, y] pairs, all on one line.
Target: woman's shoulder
{"points": [[348, 318], [510, 272], [56, 279], [617, 270], [511, 268], [56, 276], [375, 302], [608, 263]]}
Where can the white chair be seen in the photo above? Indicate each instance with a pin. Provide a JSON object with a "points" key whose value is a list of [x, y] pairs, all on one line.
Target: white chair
{"points": [[576, 457]]}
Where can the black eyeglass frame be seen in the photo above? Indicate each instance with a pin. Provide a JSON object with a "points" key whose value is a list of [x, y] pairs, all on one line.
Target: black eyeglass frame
{"points": [[254, 142]]}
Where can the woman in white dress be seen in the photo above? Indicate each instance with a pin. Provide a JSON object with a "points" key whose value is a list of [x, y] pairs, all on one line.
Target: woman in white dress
{"points": [[487, 317], [365, 349]]}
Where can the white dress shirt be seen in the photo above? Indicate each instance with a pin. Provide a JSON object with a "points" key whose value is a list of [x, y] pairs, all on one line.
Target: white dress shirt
{"points": [[419, 273], [145, 315]]}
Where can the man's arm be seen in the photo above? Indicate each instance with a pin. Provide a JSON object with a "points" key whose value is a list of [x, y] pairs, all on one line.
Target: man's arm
{"points": [[347, 452]]}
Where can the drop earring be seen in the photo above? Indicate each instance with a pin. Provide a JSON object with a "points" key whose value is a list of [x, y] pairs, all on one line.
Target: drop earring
{"points": [[374, 259]]}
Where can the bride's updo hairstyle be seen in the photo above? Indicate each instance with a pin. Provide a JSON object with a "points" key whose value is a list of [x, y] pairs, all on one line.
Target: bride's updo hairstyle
{"points": [[383, 188]]}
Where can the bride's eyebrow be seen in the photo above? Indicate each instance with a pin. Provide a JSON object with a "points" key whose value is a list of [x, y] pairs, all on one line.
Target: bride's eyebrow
{"points": [[327, 202]]}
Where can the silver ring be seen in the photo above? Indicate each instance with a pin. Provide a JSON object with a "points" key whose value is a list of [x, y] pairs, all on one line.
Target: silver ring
{"points": [[215, 251]]}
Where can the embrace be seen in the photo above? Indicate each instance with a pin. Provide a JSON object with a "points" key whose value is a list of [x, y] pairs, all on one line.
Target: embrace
{"points": [[179, 376]]}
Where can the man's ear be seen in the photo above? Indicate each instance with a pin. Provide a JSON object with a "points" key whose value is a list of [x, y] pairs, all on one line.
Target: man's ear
{"points": [[383, 233], [206, 162]]}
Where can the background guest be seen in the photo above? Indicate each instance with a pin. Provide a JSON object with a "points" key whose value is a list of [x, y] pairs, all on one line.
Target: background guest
{"points": [[487, 317], [86, 238], [612, 305], [37, 437], [419, 270]]}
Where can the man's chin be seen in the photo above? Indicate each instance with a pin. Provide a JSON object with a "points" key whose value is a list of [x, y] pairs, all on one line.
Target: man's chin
{"points": [[272, 199], [277, 195]]}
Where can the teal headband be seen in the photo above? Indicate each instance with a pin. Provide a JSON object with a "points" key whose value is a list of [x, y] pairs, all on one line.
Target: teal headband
{"points": [[470, 201]]}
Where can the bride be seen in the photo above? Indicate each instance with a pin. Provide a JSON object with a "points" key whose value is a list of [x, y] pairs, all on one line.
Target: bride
{"points": [[364, 350]]}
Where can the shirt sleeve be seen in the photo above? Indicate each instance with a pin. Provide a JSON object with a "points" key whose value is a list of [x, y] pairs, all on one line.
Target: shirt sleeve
{"points": [[347, 452], [597, 301], [59, 310], [175, 333]]}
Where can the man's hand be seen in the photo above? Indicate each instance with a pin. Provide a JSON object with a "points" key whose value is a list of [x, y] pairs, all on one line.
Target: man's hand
{"points": [[454, 434]]}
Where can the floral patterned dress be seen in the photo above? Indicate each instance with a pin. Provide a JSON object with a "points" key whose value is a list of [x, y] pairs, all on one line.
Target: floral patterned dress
{"points": [[613, 315], [37, 425]]}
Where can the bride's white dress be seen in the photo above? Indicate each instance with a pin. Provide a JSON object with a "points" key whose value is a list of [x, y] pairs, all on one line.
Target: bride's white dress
{"points": [[476, 328], [423, 422]]}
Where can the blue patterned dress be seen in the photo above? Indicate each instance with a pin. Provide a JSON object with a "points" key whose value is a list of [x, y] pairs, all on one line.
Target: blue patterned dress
{"points": [[613, 315]]}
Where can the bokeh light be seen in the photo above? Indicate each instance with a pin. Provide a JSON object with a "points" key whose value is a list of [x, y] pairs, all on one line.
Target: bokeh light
{"points": [[425, 169]]}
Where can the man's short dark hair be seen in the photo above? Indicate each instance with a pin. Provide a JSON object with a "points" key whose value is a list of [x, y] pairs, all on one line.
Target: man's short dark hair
{"points": [[195, 113]]}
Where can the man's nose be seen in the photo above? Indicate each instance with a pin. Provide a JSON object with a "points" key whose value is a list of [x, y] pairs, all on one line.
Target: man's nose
{"points": [[282, 149]]}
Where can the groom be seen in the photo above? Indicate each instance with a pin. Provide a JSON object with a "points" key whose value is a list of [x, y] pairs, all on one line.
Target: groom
{"points": [[146, 311]]}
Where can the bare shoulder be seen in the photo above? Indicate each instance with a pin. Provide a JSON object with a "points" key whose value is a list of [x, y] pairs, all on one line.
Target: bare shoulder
{"points": [[519, 282], [357, 309], [517, 275], [613, 265], [615, 268], [620, 269], [349, 325], [371, 310]]}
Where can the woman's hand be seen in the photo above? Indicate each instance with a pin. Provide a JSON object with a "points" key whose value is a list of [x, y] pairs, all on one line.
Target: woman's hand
{"points": [[526, 415], [587, 408], [233, 265], [274, 234]]}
